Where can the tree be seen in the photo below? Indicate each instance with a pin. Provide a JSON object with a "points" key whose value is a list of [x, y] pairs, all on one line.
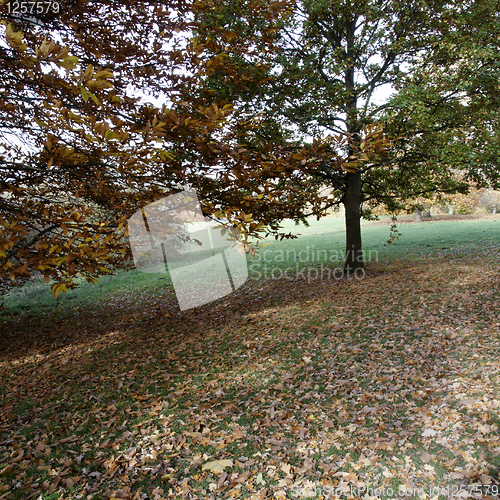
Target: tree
{"points": [[84, 145], [459, 202], [490, 200], [332, 58]]}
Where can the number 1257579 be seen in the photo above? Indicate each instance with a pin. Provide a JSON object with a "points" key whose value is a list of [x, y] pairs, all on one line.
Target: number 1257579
{"points": [[38, 7]]}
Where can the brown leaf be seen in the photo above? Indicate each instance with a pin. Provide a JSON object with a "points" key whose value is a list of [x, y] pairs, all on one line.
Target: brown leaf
{"points": [[237, 434], [105, 444], [18, 457]]}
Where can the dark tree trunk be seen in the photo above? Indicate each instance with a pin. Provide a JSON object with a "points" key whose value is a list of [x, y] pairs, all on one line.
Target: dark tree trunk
{"points": [[352, 194], [352, 204]]}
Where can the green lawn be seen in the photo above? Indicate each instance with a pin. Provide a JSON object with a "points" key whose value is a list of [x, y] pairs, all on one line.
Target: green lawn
{"points": [[319, 247]]}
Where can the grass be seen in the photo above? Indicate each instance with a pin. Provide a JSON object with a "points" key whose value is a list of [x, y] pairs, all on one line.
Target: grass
{"points": [[320, 244], [389, 384]]}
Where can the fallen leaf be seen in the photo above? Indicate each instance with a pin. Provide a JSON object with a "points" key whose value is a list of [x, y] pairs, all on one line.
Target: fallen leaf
{"points": [[237, 434], [429, 433], [18, 457], [217, 466]]}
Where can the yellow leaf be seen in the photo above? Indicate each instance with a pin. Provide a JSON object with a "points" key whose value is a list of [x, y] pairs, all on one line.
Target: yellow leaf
{"points": [[217, 465], [99, 84], [71, 59], [110, 135], [237, 434], [89, 72], [94, 98], [15, 38], [74, 117], [57, 288], [103, 74], [60, 260], [39, 122]]}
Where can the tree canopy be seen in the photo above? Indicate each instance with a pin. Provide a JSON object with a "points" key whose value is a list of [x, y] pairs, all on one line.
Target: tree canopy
{"points": [[107, 106], [102, 111], [76, 141]]}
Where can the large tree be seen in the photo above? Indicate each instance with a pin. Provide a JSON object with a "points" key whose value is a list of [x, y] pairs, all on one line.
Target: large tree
{"points": [[334, 57], [76, 142]]}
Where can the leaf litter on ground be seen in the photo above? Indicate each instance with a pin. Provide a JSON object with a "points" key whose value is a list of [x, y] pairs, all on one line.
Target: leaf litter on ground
{"points": [[286, 389]]}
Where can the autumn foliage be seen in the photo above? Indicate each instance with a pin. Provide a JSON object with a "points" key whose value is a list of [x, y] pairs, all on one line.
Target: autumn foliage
{"points": [[77, 145], [98, 124], [83, 147]]}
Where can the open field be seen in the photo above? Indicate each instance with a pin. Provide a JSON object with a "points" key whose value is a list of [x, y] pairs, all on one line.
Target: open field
{"points": [[323, 242], [288, 388]]}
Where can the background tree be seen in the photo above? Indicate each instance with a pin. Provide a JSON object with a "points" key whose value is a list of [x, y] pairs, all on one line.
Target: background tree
{"points": [[333, 57], [490, 200]]}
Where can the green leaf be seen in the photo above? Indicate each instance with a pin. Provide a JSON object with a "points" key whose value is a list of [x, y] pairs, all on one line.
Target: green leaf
{"points": [[94, 98], [84, 93]]}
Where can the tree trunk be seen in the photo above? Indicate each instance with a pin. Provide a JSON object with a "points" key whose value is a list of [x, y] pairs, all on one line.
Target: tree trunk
{"points": [[418, 215], [450, 210], [352, 193], [352, 204], [426, 213]]}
